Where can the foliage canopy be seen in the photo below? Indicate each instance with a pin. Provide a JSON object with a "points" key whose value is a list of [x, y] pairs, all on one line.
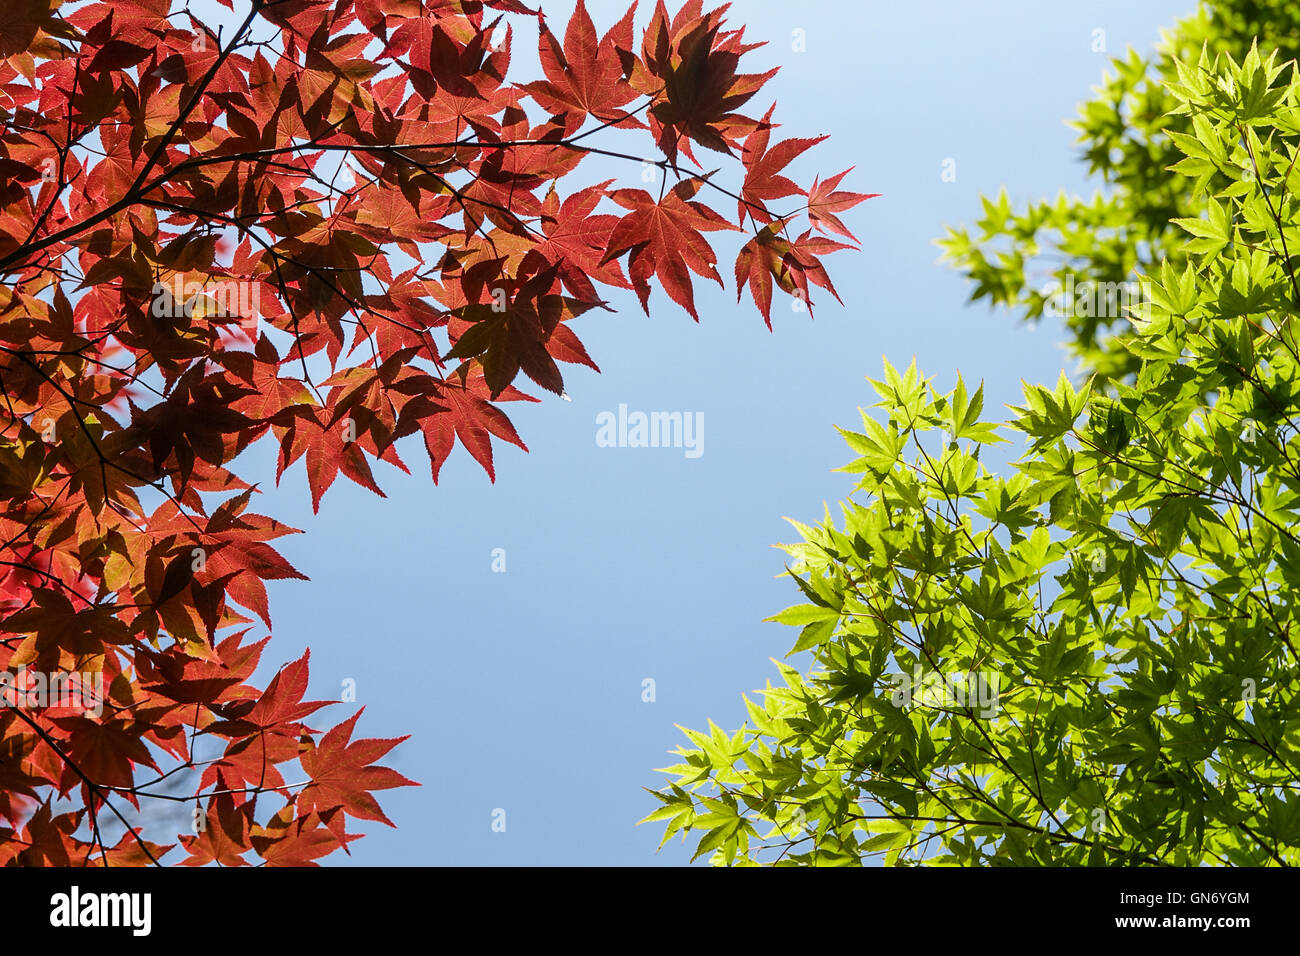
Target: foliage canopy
{"points": [[1090, 658]]}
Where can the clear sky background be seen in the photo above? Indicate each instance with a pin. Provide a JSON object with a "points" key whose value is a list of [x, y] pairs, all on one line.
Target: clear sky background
{"points": [[523, 691]]}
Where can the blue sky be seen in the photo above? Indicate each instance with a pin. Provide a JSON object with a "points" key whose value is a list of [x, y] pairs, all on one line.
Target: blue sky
{"points": [[522, 691]]}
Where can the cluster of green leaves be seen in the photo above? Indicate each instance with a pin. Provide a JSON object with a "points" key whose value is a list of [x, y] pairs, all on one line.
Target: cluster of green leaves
{"points": [[1127, 138], [1129, 587]]}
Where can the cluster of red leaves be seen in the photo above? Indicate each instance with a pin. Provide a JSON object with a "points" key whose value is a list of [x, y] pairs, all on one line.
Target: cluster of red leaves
{"points": [[388, 208]]}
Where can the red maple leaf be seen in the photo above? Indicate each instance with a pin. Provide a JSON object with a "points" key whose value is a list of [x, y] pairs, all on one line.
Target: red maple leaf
{"points": [[464, 412], [665, 240], [763, 165], [586, 76], [296, 841], [825, 200], [769, 257], [576, 241], [223, 838], [343, 774]]}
